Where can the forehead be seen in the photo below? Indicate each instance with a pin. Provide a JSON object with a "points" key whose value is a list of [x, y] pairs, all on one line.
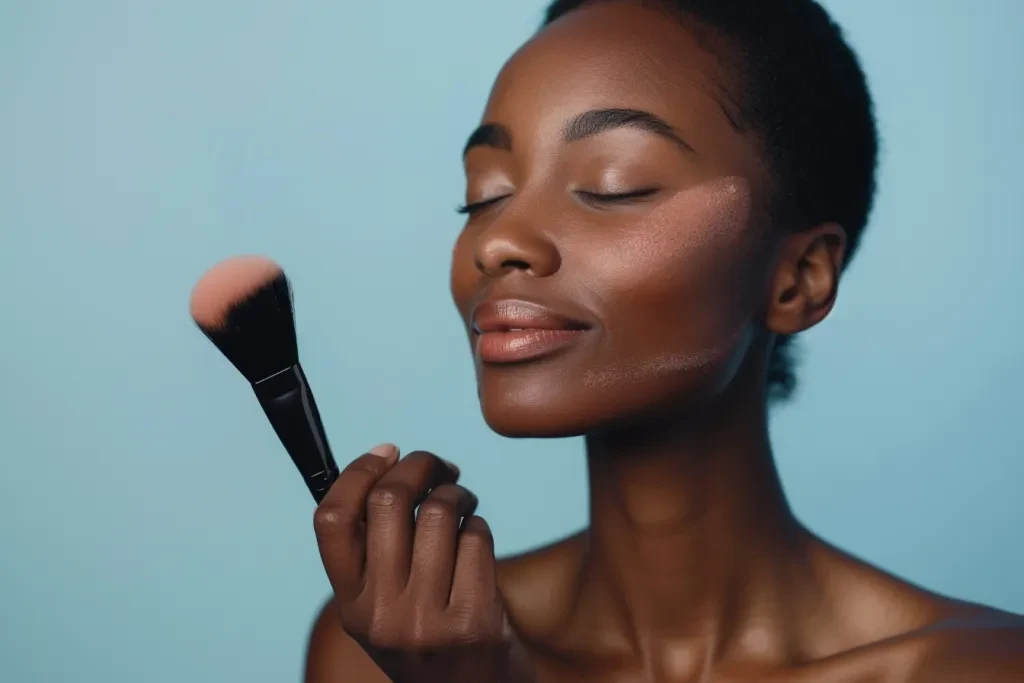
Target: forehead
{"points": [[619, 54]]}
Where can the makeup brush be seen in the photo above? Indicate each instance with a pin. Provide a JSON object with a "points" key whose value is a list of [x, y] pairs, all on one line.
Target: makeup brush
{"points": [[244, 306]]}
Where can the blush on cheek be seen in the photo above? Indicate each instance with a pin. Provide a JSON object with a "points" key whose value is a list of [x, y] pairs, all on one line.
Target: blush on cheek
{"points": [[685, 272], [716, 362], [714, 215], [694, 231]]}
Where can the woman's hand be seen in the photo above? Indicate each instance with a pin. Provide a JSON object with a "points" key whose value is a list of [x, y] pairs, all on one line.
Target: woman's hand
{"points": [[415, 588]]}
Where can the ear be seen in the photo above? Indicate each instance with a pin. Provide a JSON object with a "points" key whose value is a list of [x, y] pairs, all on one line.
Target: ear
{"points": [[806, 278]]}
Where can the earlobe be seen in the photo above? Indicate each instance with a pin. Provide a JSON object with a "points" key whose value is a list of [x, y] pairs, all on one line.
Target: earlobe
{"points": [[806, 278]]}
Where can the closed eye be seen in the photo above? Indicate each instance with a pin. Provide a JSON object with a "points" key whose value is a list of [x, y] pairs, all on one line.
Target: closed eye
{"points": [[476, 207], [589, 197], [615, 197]]}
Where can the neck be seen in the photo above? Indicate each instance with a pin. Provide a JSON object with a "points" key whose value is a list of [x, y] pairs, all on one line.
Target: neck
{"points": [[691, 539]]}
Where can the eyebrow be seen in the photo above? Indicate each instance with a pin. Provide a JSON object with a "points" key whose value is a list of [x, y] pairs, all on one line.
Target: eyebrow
{"points": [[489, 135], [596, 121], [582, 126]]}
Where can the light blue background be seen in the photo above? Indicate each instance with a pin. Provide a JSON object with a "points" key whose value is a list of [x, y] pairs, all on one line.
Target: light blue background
{"points": [[151, 527]]}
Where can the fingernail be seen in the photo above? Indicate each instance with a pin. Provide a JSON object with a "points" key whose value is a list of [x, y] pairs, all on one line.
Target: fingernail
{"points": [[388, 451], [453, 466]]}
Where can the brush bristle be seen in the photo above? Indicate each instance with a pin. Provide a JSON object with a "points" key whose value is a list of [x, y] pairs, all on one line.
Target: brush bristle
{"points": [[244, 306]]}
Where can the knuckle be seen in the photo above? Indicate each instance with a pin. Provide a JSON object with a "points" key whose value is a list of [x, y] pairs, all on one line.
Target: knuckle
{"points": [[397, 630], [382, 635], [330, 520], [354, 622], [421, 629], [389, 497], [437, 512], [463, 623], [476, 541]]}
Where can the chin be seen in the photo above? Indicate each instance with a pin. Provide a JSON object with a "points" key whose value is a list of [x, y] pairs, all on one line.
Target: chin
{"points": [[531, 424], [533, 411]]}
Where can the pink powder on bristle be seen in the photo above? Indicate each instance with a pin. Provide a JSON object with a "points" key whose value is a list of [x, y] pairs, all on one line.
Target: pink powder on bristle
{"points": [[226, 284]]}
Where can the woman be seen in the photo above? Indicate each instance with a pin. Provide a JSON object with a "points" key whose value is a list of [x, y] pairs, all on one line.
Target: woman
{"points": [[661, 195]]}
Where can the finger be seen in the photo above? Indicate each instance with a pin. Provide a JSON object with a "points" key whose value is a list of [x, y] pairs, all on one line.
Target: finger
{"points": [[339, 520], [389, 515], [436, 539], [474, 577]]}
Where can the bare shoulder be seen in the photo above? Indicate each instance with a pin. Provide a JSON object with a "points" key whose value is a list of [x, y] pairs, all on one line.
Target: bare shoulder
{"points": [[979, 644], [538, 586], [969, 644], [333, 657]]}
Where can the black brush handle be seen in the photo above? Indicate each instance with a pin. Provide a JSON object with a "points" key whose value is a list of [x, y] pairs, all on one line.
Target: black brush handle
{"points": [[288, 402]]}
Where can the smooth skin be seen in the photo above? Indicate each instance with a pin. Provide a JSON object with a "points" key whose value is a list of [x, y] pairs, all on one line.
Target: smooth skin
{"points": [[692, 567]]}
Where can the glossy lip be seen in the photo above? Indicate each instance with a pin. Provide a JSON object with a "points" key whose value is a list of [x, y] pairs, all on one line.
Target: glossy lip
{"points": [[512, 331], [503, 315]]}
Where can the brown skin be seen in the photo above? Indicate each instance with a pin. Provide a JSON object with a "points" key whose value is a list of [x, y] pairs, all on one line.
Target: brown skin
{"points": [[693, 567]]}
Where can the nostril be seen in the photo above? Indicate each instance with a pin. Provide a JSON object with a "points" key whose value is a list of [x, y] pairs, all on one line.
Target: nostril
{"points": [[514, 264]]}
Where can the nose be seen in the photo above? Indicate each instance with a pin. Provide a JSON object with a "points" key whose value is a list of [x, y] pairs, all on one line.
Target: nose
{"points": [[509, 246]]}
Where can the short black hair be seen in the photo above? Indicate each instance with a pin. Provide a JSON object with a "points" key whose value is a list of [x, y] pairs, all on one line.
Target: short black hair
{"points": [[801, 90]]}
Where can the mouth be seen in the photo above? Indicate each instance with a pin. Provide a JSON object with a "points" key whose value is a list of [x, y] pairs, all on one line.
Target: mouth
{"points": [[512, 331]]}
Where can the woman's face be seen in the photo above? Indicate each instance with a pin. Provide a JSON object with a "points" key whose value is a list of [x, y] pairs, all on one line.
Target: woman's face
{"points": [[586, 311]]}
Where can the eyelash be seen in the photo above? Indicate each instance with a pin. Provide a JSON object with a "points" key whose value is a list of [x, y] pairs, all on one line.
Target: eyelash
{"points": [[476, 207], [615, 197], [589, 197]]}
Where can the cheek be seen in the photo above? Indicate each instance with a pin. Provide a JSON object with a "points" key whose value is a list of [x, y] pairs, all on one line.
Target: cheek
{"points": [[680, 289], [463, 274]]}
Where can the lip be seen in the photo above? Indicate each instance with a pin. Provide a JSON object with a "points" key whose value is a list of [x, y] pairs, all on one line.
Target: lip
{"points": [[514, 331]]}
